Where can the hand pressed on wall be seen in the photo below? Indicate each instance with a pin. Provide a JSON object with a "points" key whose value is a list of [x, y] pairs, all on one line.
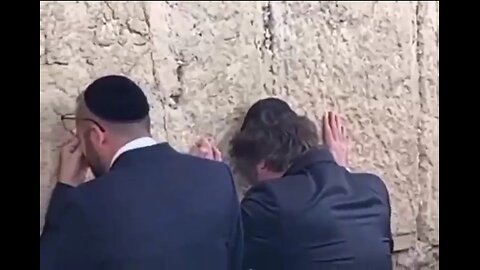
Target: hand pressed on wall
{"points": [[205, 148], [72, 166], [335, 138]]}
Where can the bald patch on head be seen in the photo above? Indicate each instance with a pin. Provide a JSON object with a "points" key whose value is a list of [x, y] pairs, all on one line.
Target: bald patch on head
{"points": [[81, 110]]}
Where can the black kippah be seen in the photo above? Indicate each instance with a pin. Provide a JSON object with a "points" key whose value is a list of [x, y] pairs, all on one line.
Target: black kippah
{"points": [[117, 99], [272, 106]]}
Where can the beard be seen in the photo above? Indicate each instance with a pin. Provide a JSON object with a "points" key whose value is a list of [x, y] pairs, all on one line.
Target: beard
{"points": [[97, 170], [93, 159]]}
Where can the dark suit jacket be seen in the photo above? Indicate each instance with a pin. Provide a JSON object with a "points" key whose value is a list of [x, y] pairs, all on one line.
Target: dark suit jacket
{"points": [[155, 209], [318, 216]]}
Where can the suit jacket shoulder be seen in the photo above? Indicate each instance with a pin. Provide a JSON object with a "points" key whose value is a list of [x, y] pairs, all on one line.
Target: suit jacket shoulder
{"points": [[126, 175], [259, 200], [262, 228], [375, 183]]}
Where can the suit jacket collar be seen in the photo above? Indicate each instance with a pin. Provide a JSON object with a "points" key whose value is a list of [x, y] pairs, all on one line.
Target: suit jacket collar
{"points": [[315, 155], [134, 144], [140, 155]]}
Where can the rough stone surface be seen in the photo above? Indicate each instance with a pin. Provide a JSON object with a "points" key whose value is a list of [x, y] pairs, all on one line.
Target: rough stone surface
{"points": [[203, 63]]}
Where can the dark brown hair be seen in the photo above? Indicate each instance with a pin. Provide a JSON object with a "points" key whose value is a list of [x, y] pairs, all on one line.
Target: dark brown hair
{"points": [[275, 139]]}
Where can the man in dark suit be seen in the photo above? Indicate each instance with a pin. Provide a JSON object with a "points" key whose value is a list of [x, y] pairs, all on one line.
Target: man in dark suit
{"points": [[149, 207], [306, 210]]}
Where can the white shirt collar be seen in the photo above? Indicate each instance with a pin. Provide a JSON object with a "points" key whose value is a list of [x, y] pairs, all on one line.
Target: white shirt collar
{"points": [[135, 144]]}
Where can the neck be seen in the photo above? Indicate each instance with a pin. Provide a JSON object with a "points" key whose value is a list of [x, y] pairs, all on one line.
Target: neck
{"points": [[121, 142], [269, 175], [133, 135], [128, 139]]}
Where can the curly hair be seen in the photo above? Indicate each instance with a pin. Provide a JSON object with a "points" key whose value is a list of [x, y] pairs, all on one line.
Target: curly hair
{"points": [[275, 139]]}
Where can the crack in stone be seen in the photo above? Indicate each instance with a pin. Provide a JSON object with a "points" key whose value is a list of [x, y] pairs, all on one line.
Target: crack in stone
{"points": [[268, 25], [420, 223], [419, 46], [46, 47], [43, 54], [267, 45], [175, 97], [55, 63], [162, 100], [154, 71], [112, 10], [418, 123]]}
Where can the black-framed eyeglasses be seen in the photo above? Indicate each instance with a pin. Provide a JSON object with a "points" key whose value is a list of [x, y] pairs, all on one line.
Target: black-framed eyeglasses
{"points": [[68, 122]]}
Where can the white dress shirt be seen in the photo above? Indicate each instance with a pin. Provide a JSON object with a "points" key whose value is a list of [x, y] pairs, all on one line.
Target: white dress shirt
{"points": [[135, 144]]}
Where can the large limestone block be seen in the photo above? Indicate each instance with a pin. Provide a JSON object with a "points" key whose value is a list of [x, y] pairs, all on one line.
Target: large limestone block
{"points": [[358, 59], [218, 67]]}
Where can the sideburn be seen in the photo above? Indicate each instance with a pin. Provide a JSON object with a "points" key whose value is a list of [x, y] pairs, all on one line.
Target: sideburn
{"points": [[92, 157]]}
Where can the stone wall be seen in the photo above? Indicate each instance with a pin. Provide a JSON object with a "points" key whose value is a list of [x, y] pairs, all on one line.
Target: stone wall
{"points": [[202, 64]]}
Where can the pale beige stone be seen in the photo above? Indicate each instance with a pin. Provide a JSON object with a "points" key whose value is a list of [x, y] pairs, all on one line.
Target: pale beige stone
{"points": [[203, 63]]}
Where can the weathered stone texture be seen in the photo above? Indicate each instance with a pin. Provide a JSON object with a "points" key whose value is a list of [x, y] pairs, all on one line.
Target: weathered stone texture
{"points": [[202, 64]]}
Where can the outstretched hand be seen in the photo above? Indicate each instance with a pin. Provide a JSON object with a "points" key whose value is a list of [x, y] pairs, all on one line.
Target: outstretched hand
{"points": [[206, 148], [335, 138]]}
